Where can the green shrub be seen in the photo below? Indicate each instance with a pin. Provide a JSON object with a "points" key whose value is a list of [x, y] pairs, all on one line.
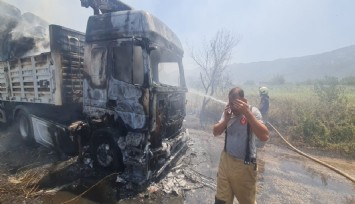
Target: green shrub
{"points": [[326, 119], [312, 129]]}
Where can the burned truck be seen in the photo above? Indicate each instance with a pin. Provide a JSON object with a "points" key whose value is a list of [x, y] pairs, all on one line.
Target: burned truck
{"points": [[117, 91]]}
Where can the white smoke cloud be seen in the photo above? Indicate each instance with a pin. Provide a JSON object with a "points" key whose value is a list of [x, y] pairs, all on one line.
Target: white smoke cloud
{"points": [[21, 34], [67, 13], [270, 28]]}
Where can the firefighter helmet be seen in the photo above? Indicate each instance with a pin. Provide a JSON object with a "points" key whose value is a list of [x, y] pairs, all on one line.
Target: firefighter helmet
{"points": [[263, 90]]}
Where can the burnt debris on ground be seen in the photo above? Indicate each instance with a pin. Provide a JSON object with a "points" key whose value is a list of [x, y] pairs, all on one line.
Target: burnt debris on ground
{"points": [[35, 174]]}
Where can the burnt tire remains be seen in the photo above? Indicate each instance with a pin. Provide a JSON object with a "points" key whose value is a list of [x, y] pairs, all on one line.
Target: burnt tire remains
{"points": [[106, 154]]}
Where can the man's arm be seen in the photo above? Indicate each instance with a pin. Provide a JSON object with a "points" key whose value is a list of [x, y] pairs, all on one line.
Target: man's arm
{"points": [[258, 128], [219, 127]]}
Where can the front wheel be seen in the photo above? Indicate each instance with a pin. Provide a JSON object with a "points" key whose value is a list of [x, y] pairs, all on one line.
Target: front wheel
{"points": [[106, 154], [24, 126]]}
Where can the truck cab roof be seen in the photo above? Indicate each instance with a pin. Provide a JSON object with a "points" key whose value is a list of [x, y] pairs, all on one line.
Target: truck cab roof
{"points": [[131, 23]]}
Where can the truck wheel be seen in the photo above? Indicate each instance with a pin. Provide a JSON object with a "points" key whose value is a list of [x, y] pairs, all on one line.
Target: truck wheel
{"points": [[3, 123], [106, 154], [24, 127]]}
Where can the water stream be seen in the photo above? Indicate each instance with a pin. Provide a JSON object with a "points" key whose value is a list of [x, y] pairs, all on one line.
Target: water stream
{"points": [[207, 96]]}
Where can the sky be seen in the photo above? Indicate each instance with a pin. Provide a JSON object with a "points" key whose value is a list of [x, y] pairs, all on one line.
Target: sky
{"points": [[267, 29]]}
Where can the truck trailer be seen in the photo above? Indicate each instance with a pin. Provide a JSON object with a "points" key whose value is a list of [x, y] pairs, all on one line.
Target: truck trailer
{"points": [[118, 89]]}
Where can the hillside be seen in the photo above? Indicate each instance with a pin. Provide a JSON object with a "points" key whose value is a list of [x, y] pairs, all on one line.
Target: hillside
{"points": [[339, 63]]}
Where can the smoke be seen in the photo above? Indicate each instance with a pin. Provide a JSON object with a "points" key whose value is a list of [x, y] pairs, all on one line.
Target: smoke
{"points": [[21, 34]]}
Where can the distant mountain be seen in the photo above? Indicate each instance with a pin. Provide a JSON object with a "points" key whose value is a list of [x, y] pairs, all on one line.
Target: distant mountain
{"points": [[339, 63]]}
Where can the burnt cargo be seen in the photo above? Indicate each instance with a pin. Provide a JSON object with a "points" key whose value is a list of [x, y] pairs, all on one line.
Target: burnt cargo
{"points": [[54, 77]]}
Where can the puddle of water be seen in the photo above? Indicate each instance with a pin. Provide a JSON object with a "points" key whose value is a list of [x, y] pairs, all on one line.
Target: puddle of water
{"points": [[306, 174], [106, 192], [63, 196], [107, 197], [101, 194], [311, 176], [163, 199]]}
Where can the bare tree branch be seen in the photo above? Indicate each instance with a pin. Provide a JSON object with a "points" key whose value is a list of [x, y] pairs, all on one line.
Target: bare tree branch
{"points": [[213, 61]]}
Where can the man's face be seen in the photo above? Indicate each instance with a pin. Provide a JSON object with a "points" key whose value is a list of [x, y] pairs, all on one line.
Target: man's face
{"points": [[233, 99]]}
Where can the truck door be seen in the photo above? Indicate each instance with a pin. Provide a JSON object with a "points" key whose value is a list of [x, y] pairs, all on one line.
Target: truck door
{"points": [[169, 95], [126, 91]]}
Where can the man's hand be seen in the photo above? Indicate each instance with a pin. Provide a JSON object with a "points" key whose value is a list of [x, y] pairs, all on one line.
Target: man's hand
{"points": [[227, 113], [241, 106], [220, 127]]}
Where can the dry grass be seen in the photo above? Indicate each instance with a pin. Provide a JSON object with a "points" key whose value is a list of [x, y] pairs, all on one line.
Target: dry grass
{"points": [[25, 183]]}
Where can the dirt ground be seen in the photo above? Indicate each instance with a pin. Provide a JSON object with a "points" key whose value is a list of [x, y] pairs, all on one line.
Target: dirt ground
{"points": [[33, 174]]}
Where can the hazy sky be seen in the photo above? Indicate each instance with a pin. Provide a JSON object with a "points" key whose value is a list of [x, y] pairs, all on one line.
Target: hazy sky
{"points": [[268, 29]]}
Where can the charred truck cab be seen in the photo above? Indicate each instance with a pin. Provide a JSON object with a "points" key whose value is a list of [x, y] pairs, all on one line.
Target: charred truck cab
{"points": [[133, 93], [118, 91]]}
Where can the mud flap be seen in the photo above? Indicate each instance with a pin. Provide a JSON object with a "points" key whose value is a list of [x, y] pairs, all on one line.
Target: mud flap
{"points": [[52, 135]]}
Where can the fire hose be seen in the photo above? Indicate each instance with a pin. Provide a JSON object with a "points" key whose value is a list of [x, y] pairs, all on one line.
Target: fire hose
{"points": [[312, 158]]}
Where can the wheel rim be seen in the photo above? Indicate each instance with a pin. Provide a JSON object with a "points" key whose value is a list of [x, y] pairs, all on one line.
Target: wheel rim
{"points": [[24, 127], [104, 154]]}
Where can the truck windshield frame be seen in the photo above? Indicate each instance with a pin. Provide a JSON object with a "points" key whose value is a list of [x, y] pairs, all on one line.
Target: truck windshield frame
{"points": [[166, 68]]}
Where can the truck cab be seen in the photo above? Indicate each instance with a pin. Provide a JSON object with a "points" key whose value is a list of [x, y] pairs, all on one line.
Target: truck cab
{"points": [[133, 92]]}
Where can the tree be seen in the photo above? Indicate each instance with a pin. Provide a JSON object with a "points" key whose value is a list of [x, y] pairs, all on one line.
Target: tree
{"points": [[213, 60]]}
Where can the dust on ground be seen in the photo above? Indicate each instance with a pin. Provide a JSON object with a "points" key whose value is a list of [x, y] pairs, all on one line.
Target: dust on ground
{"points": [[35, 175]]}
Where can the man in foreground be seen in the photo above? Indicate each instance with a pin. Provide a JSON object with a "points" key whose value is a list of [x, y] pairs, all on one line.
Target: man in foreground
{"points": [[237, 172]]}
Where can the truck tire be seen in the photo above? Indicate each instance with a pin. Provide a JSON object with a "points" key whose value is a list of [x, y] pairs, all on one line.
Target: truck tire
{"points": [[105, 153], [24, 127], [3, 125]]}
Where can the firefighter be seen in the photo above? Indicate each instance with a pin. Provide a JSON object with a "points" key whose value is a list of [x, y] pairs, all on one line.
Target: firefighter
{"points": [[237, 171], [264, 103]]}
